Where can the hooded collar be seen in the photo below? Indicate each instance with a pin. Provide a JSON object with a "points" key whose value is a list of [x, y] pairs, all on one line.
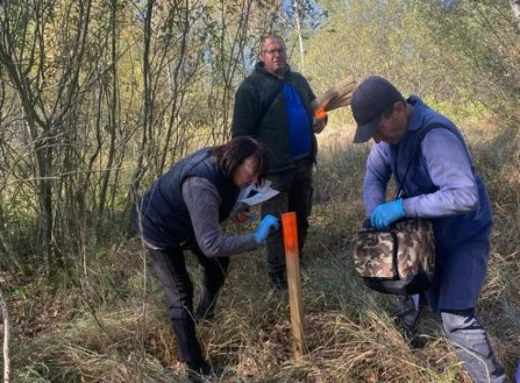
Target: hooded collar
{"points": [[259, 66]]}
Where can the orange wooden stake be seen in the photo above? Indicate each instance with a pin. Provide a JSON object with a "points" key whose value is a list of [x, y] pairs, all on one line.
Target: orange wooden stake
{"points": [[292, 261]]}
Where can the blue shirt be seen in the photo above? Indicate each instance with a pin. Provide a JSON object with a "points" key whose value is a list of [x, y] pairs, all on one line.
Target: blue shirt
{"points": [[299, 122]]}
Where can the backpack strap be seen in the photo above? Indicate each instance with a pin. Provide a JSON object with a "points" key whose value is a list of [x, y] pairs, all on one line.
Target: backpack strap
{"points": [[269, 102]]}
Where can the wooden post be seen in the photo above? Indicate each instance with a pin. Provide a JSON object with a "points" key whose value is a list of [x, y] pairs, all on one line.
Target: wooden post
{"points": [[292, 260]]}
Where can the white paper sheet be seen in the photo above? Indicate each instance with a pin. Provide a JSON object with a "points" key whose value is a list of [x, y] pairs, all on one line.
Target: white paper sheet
{"points": [[255, 194]]}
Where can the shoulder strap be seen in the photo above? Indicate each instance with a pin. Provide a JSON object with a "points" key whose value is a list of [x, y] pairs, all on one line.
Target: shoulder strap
{"points": [[269, 101]]}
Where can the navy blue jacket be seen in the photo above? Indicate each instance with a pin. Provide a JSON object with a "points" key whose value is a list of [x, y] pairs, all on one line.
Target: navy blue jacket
{"points": [[164, 220], [443, 186], [459, 213]]}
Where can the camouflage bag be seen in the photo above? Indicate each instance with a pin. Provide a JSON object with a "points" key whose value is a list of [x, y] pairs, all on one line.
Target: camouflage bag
{"points": [[396, 260]]}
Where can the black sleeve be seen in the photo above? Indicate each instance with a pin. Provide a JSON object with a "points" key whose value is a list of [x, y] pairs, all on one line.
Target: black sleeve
{"points": [[305, 86], [246, 113], [311, 94]]}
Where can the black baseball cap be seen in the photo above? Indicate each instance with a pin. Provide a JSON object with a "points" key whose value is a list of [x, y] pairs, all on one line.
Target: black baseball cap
{"points": [[369, 101]]}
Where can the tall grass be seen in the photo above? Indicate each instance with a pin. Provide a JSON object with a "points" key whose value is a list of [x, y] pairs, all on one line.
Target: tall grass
{"points": [[108, 322]]}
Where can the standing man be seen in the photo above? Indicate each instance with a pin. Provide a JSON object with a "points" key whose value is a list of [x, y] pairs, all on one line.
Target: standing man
{"points": [[419, 147], [276, 105]]}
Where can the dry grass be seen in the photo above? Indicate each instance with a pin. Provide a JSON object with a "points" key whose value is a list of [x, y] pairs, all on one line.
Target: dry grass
{"points": [[111, 325]]}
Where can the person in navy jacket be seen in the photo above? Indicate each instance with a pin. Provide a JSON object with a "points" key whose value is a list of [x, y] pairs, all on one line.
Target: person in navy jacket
{"points": [[427, 156], [183, 210]]}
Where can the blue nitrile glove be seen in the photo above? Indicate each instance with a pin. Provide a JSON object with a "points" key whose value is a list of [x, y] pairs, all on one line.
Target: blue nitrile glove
{"points": [[268, 222], [387, 213]]}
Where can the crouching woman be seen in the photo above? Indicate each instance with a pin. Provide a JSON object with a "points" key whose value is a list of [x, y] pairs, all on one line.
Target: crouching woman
{"points": [[183, 210]]}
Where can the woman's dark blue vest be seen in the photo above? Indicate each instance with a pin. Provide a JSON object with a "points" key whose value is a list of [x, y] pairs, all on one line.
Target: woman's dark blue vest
{"points": [[164, 220]]}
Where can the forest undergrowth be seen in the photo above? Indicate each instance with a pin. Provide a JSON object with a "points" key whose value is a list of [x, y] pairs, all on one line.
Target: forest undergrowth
{"points": [[105, 319]]}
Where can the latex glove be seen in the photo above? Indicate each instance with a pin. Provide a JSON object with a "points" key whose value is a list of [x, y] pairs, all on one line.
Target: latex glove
{"points": [[387, 213], [268, 222]]}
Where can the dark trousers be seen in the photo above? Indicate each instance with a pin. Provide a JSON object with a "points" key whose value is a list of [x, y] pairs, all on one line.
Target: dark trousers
{"points": [[295, 187], [171, 270]]}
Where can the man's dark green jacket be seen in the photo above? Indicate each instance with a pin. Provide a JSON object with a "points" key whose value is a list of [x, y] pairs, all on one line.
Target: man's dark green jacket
{"points": [[260, 112]]}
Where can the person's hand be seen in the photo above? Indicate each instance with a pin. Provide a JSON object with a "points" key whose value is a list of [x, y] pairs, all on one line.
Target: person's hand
{"points": [[241, 214], [318, 125], [387, 213], [268, 222], [239, 217]]}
